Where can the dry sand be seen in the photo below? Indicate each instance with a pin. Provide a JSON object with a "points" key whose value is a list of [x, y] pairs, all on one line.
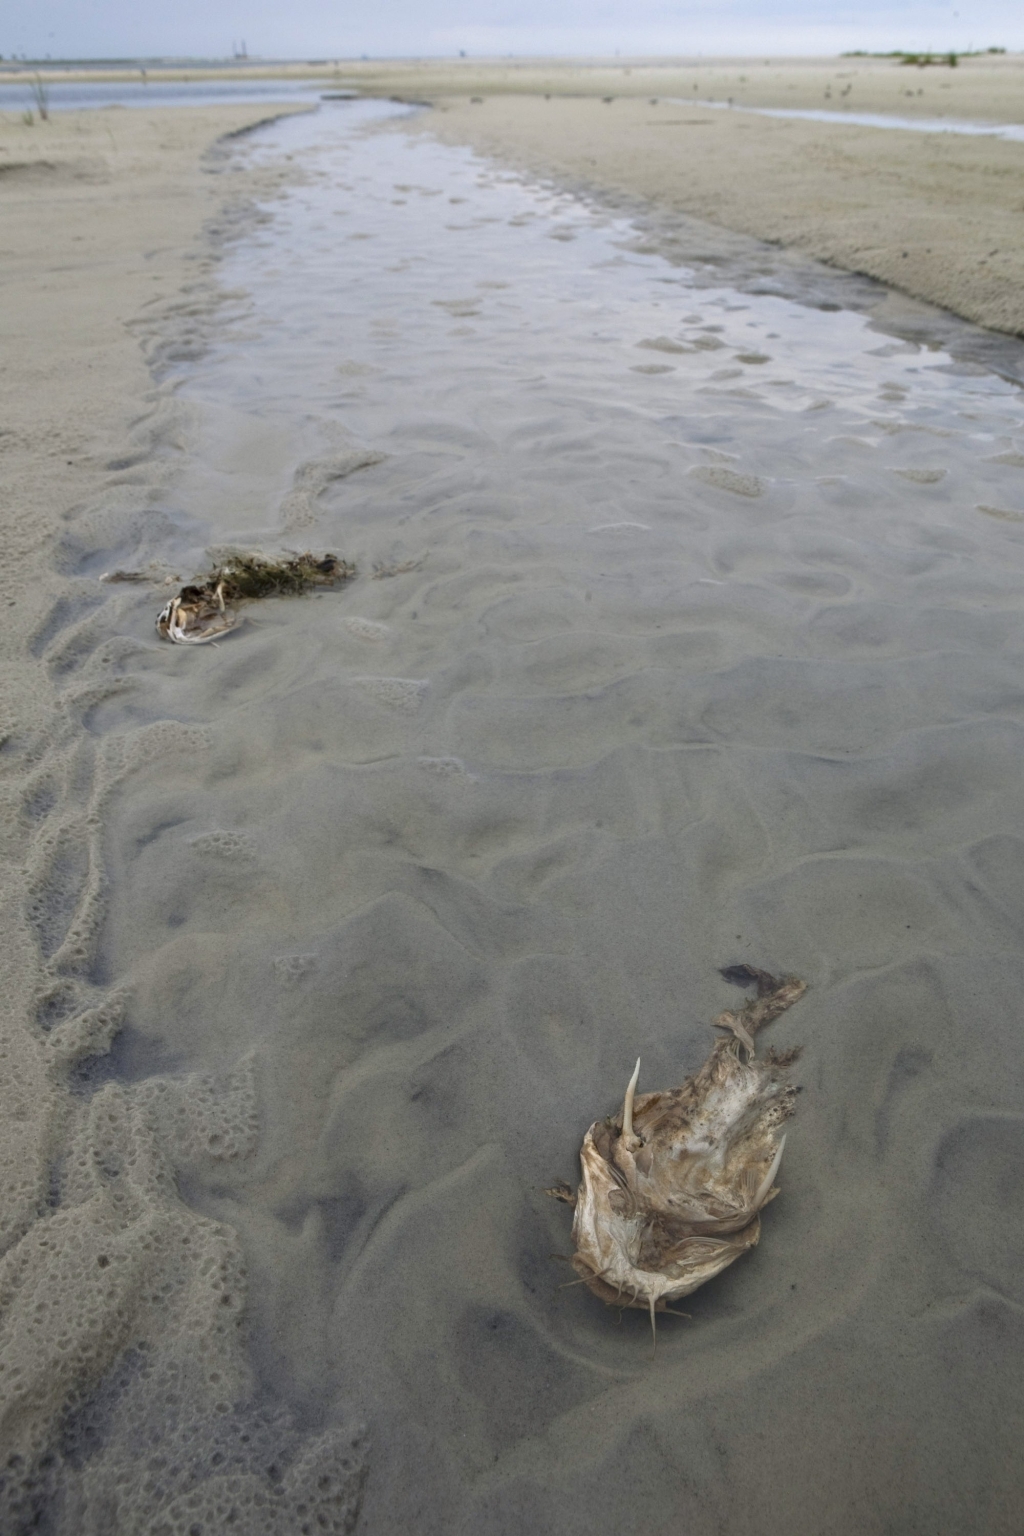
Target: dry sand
{"points": [[938, 216], [464, 844]]}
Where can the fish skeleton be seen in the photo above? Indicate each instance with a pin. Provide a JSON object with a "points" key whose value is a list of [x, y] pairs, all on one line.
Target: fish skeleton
{"points": [[673, 1185]]}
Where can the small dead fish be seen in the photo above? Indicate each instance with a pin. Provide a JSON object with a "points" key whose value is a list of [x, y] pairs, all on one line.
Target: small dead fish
{"points": [[205, 609], [195, 616], [673, 1185]]}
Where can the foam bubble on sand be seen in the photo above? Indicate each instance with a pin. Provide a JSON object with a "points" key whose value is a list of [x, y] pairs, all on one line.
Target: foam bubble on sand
{"points": [[731, 480], [290, 969], [365, 629], [353, 369], [201, 1115], [225, 1467], [921, 476], [123, 1262], [400, 693], [443, 767], [298, 509], [620, 528], [223, 845], [127, 1401], [663, 344]]}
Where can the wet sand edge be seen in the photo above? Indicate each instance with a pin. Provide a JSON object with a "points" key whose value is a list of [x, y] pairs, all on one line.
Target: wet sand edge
{"points": [[931, 215], [111, 220]]}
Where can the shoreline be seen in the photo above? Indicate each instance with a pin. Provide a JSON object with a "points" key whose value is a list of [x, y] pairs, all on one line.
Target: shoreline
{"points": [[102, 229], [916, 212], [985, 85], [936, 216]]}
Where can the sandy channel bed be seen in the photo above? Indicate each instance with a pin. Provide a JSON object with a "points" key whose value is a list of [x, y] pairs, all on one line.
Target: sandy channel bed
{"points": [[939, 216], [124, 1262]]}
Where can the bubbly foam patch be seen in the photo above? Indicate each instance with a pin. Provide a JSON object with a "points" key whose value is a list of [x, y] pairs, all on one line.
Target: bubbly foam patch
{"points": [[136, 1455], [731, 480], [224, 845], [365, 629], [122, 1320], [400, 693]]}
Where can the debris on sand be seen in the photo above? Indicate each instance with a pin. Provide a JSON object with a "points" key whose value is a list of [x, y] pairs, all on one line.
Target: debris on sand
{"points": [[154, 575], [381, 572], [673, 1184], [119, 575], [207, 608]]}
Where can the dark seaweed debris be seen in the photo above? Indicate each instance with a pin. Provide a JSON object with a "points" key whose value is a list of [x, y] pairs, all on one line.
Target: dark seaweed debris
{"points": [[748, 976], [205, 608], [243, 578]]}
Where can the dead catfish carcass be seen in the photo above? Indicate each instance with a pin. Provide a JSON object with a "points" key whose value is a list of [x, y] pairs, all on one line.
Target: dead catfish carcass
{"points": [[673, 1185], [208, 607]]}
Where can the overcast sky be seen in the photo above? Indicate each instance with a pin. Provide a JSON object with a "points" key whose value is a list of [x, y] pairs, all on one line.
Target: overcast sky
{"points": [[318, 29]]}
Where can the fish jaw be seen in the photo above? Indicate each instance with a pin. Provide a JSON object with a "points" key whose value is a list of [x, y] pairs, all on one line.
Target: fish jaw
{"points": [[611, 1229], [193, 623]]}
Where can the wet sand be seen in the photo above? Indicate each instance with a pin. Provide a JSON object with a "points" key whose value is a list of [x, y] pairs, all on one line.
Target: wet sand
{"points": [[325, 946], [937, 216], [108, 1282]]}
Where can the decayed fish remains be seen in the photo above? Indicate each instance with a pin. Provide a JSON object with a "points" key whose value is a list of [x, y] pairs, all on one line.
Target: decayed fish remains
{"points": [[673, 1185], [208, 607]]}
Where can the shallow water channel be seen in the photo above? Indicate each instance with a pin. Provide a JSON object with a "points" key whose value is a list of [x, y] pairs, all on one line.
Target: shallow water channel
{"points": [[687, 631], [1012, 131]]}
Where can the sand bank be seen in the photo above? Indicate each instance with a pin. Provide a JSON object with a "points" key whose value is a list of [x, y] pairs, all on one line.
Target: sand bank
{"points": [[101, 218], [100, 212], [940, 217]]}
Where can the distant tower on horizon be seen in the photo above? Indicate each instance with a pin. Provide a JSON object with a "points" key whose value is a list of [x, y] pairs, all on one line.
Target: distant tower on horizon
{"points": [[239, 50]]}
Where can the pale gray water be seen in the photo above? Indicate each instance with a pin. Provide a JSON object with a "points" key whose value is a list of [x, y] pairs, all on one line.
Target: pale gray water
{"points": [[710, 651], [1012, 131], [73, 95]]}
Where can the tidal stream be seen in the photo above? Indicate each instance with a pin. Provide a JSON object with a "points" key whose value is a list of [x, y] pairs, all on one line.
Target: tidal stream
{"points": [[687, 631]]}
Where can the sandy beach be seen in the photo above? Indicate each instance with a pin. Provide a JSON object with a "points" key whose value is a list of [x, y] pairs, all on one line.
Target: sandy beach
{"points": [[111, 223], [937, 216], [686, 633]]}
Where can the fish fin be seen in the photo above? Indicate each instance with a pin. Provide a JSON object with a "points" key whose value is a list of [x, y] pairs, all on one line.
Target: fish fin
{"points": [[734, 1021], [765, 1186], [562, 1191]]}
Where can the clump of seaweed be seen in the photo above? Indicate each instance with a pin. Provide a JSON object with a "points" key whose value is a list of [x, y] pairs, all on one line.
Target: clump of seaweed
{"points": [[207, 607], [673, 1185]]}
